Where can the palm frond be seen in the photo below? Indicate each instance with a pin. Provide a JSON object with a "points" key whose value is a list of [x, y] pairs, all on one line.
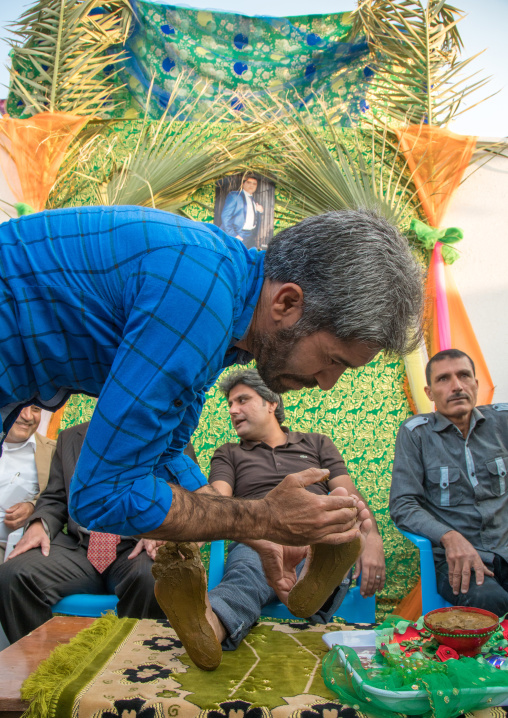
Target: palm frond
{"points": [[60, 55], [321, 167], [415, 47], [174, 156]]}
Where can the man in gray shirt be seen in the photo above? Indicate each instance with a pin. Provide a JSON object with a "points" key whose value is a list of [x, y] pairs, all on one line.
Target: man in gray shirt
{"points": [[449, 484]]}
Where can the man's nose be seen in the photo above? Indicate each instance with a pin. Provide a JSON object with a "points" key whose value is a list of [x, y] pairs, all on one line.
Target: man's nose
{"points": [[233, 409], [26, 414], [329, 377], [456, 384]]}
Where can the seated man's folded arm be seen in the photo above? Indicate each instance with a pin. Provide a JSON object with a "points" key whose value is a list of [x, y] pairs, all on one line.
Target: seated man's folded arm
{"points": [[408, 504], [371, 563]]}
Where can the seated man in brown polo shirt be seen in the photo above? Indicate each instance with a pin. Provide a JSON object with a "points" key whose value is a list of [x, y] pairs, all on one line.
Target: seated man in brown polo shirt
{"points": [[268, 452]]}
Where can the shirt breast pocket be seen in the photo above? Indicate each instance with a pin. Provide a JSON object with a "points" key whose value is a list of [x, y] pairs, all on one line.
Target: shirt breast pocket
{"points": [[443, 486], [497, 469]]}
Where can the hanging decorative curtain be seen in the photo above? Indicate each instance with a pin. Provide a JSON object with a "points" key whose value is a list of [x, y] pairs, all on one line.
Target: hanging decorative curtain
{"points": [[438, 158], [32, 151], [293, 57]]}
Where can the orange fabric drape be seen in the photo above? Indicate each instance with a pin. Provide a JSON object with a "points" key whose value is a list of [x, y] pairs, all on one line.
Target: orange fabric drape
{"points": [[410, 607], [464, 338], [437, 159], [32, 151], [462, 333], [54, 423]]}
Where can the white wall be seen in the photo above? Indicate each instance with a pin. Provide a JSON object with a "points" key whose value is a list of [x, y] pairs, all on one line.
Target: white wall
{"points": [[480, 208]]}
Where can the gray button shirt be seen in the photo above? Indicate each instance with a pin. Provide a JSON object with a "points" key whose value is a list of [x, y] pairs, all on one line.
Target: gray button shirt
{"points": [[442, 481]]}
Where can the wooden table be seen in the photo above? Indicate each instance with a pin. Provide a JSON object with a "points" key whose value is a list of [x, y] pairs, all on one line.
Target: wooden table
{"points": [[22, 658]]}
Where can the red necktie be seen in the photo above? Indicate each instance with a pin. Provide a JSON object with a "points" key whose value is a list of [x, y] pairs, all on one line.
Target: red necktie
{"points": [[102, 550]]}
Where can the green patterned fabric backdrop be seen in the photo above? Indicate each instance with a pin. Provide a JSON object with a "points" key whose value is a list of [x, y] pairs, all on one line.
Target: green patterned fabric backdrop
{"points": [[294, 56]]}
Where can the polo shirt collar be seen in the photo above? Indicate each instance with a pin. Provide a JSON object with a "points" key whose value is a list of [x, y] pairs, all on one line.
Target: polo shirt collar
{"points": [[441, 422], [293, 437]]}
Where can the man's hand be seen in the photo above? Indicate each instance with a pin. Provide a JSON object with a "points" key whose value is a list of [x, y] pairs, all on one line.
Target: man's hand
{"points": [[462, 557], [18, 515], [33, 537], [279, 564], [149, 545], [259, 208], [288, 515], [297, 517], [371, 565]]}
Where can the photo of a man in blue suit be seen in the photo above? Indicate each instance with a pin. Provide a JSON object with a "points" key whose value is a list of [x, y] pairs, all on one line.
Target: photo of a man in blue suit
{"points": [[240, 216]]}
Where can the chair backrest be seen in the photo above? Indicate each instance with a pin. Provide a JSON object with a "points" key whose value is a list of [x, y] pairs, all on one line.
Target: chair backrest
{"points": [[431, 599], [354, 609]]}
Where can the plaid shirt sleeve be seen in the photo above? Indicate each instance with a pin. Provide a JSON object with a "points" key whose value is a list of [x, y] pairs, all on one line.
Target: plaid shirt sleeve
{"points": [[180, 311]]}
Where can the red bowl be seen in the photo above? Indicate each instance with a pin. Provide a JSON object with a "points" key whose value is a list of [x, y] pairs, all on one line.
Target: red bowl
{"points": [[465, 641]]}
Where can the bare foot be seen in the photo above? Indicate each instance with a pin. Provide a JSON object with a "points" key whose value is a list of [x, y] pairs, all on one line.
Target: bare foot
{"points": [[325, 568], [180, 589]]}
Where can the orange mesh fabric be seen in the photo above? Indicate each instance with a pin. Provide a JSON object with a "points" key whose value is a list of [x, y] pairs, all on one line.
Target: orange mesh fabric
{"points": [[32, 151], [437, 159]]}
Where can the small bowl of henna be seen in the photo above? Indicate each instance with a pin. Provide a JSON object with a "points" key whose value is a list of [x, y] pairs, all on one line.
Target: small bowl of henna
{"points": [[464, 628]]}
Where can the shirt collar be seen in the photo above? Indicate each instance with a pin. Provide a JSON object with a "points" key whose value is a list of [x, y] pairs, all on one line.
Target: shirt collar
{"points": [[15, 447], [293, 437], [441, 422]]}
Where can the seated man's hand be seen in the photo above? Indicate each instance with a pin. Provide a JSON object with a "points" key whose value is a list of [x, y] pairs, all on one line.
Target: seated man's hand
{"points": [[279, 564], [371, 565], [18, 514], [462, 557], [151, 546], [34, 536]]}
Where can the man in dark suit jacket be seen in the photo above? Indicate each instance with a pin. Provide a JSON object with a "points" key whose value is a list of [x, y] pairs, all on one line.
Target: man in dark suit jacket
{"points": [[48, 564], [241, 214]]}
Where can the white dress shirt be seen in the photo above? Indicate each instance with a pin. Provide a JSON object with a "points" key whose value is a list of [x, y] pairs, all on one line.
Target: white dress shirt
{"points": [[18, 478], [250, 217]]}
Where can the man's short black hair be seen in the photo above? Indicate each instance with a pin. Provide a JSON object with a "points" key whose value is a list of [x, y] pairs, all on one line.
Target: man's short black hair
{"points": [[250, 175], [446, 354], [251, 378]]}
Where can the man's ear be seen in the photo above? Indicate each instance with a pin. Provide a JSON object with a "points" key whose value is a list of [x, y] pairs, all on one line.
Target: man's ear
{"points": [[286, 305], [428, 391]]}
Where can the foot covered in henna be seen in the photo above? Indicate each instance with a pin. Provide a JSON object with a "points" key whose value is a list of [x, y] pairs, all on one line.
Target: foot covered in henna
{"points": [[325, 568], [180, 589]]}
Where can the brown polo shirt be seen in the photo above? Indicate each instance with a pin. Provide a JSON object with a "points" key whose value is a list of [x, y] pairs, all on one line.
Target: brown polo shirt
{"points": [[252, 468]]}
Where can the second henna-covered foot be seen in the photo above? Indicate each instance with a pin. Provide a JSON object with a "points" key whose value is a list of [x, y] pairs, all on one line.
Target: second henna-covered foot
{"points": [[325, 568]]}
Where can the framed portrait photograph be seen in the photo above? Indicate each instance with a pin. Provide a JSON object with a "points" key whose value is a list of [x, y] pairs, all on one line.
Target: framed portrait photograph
{"points": [[244, 208]]}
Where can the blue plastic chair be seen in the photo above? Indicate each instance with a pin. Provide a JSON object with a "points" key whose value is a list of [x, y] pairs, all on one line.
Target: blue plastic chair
{"points": [[431, 599], [91, 605], [354, 609]]}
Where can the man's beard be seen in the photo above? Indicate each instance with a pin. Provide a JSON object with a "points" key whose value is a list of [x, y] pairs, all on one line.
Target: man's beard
{"points": [[272, 352]]}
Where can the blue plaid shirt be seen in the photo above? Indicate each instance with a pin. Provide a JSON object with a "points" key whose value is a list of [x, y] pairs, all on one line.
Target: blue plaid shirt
{"points": [[139, 307]]}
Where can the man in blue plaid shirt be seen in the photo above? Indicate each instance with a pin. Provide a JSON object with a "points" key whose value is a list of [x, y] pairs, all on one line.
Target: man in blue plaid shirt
{"points": [[144, 309]]}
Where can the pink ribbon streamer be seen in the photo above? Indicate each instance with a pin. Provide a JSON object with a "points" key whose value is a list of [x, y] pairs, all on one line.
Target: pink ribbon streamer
{"points": [[443, 315]]}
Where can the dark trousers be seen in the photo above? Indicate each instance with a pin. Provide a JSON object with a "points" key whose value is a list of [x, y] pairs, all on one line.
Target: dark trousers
{"points": [[249, 237], [492, 595], [31, 584]]}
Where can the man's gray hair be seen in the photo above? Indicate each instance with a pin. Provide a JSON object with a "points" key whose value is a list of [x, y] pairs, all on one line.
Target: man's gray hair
{"points": [[358, 276], [251, 378]]}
